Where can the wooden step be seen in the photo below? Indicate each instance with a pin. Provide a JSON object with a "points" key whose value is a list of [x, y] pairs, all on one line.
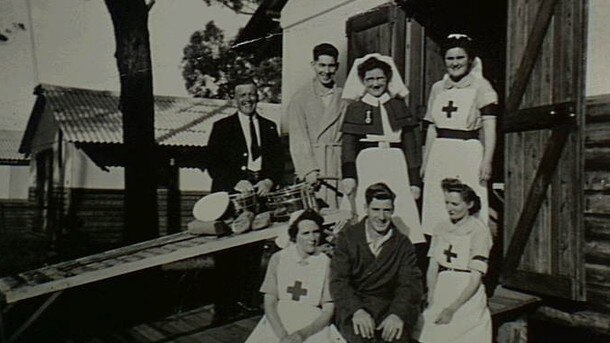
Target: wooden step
{"points": [[506, 304]]}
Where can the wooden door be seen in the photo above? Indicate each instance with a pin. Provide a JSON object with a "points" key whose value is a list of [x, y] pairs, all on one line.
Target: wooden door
{"points": [[380, 30], [543, 147]]}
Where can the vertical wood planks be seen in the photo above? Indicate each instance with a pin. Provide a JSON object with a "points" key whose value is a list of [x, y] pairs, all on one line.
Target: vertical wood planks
{"points": [[553, 247]]}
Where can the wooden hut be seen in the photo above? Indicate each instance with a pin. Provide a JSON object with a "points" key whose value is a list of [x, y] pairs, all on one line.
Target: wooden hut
{"points": [[546, 59], [74, 138]]}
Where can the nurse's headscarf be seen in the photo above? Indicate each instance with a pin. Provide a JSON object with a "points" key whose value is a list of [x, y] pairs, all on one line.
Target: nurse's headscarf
{"points": [[460, 40], [354, 89]]}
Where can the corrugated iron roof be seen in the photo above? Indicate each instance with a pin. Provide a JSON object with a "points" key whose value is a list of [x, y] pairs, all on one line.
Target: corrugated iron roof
{"points": [[93, 116], [9, 147]]}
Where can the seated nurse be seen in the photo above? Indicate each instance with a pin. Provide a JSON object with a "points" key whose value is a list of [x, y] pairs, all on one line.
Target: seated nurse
{"points": [[297, 302], [457, 309]]}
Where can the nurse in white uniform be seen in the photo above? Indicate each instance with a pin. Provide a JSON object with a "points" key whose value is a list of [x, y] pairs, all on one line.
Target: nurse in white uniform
{"points": [[462, 109], [298, 306], [380, 140], [457, 309]]}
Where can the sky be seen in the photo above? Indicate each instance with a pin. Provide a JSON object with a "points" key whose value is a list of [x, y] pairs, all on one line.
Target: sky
{"points": [[73, 44]]}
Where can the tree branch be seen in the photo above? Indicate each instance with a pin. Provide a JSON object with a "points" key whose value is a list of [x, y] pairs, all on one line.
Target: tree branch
{"points": [[235, 6], [150, 5]]}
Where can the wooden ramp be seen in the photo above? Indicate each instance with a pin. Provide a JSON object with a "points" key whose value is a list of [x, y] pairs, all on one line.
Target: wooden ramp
{"points": [[121, 261], [53, 280], [130, 259]]}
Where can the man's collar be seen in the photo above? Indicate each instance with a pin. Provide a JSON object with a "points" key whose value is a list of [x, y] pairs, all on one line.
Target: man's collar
{"points": [[375, 101], [321, 90], [247, 116], [462, 83], [369, 232]]}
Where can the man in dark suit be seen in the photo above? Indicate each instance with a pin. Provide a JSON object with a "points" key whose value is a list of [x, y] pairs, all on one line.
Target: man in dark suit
{"points": [[244, 155], [238, 160]]}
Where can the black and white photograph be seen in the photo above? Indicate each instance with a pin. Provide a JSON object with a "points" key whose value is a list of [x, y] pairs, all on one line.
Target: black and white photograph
{"points": [[304, 171]]}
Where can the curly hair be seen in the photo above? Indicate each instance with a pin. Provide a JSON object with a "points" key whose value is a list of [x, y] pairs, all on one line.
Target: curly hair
{"points": [[374, 63], [308, 214], [466, 193]]}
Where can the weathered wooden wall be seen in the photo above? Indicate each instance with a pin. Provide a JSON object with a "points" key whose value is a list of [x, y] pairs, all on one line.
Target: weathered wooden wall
{"points": [[435, 65], [370, 32], [597, 201], [15, 215], [553, 247], [95, 217]]}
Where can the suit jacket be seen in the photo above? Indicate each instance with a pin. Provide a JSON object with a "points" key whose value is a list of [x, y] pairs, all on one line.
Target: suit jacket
{"points": [[228, 153]]}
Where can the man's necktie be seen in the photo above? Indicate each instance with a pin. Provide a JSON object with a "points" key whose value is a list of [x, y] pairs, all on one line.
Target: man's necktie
{"points": [[255, 149]]}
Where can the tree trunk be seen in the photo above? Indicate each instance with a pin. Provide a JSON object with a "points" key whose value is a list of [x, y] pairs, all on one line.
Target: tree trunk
{"points": [[130, 21]]}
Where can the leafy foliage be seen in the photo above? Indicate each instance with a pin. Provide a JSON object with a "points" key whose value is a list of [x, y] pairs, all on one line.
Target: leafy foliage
{"points": [[209, 65], [6, 32], [239, 6]]}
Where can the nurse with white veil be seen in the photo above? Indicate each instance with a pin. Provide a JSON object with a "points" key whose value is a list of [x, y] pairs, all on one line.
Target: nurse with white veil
{"points": [[380, 141]]}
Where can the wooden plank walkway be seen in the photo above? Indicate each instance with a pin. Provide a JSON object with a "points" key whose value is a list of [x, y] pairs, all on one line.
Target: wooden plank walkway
{"points": [[193, 326], [187, 327]]}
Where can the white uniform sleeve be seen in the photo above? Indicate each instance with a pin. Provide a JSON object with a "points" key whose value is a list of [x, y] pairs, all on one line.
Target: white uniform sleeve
{"points": [[269, 285], [480, 245]]}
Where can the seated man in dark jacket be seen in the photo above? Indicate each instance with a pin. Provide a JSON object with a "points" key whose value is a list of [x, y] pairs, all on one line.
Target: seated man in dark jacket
{"points": [[375, 281]]}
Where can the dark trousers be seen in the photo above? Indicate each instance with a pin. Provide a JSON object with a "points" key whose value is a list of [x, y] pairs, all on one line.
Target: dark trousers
{"points": [[237, 277], [237, 273], [377, 308]]}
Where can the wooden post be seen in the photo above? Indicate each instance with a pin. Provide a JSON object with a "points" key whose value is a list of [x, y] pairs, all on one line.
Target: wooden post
{"points": [[2, 333], [130, 21], [173, 198]]}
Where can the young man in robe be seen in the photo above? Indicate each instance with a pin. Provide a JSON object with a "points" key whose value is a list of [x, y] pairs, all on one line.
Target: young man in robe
{"points": [[375, 281], [314, 115]]}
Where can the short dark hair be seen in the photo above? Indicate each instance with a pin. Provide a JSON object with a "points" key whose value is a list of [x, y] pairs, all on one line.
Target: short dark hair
{"points": [[239, 82], [374, 63], [379, 191], [308, 214], [243, 81], [467, 193], [459, 41], [325, 49]]}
